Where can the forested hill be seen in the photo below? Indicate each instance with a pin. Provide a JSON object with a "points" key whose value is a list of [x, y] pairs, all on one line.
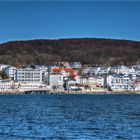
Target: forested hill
{"points": [[86, 50]]}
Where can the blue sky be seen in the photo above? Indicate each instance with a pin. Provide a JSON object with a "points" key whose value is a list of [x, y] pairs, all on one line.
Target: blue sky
{"points": [[24, 20]]}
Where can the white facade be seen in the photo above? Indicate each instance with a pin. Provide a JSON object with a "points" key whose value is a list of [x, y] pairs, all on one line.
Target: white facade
{"points": [[137, 87], [86, 70], [119, 70], [29, 75], [41, 67], [3, 66], [92, 81], [10, 72], [65, 74], [119, 82], [73, 86], [137, 71], [31, 86], [94, 70], [76, 65], [137, 84], [70, 83], [103, 71], [8, 85], [55, 79]]}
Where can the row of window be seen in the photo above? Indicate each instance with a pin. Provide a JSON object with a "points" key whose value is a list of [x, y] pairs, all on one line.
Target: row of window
{"points": [[38, 73], [7, 85], [28, 79], [28, 76]]}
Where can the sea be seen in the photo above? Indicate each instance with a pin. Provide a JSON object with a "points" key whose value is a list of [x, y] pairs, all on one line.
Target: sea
{"points": [[70, 117]]}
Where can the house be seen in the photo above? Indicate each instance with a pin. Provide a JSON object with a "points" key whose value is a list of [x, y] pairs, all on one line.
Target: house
{"points": [[137, 84], [41, 67], [137, 70], [94, 70], [92, 81], [10, 71], [103, 71], [3, 66], [86, 70], [66, 72], [76, 65], [119, 70], [114, 70], [99, 81], [131, 71], [72, 85], [119, 82]]}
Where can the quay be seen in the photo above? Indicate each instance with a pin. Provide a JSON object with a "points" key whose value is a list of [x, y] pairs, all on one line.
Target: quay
{"points": [[44, 91]]}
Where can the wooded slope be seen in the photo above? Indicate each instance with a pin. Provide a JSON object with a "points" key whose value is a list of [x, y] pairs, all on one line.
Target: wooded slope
{"points": [[86, 50]]}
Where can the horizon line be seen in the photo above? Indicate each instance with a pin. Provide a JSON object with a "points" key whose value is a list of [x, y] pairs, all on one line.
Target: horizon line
{"points": [[2, 42]]}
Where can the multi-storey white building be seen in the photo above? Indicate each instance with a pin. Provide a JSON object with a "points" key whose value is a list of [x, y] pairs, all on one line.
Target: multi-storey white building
{"points": [[119, 82], [29, 75], [10, 71], [55, 80]]}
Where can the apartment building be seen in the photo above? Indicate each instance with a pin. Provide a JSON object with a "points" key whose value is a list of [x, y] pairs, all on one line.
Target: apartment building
{"points": [[119, 82], [29, 75], [10, 71]]}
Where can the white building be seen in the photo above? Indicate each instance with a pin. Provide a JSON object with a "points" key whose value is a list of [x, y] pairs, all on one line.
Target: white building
{"points": [[29, 75], [86, 70], [94, 70], [103, 71], [72, 85], [26, 86], [55, 80], [137, 84], [137, 71], [119, 70], [92, 81], [8, 85], [41, 67], [119, 82], [76, 65], [3, 66], [10, 71]]}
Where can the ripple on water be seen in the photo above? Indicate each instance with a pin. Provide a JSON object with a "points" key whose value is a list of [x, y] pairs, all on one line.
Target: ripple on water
{"points": [[44, 117]]}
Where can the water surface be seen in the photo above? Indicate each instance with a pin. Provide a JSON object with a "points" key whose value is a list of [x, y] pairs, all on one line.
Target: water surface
{"points": [[68, 117]]}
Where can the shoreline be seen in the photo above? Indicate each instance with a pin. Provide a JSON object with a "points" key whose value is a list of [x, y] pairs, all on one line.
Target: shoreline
{"points": [[68, 92]]}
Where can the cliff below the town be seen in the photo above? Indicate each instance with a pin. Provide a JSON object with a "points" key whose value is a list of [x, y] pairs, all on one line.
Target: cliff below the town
{"points": [[87, 50]]}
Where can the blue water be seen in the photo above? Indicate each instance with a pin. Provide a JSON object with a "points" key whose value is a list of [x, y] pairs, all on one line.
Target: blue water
{"points": [[68, 117]]}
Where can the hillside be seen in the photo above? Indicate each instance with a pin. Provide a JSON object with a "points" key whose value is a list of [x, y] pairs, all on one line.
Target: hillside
{"points": [[86, 50]]}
